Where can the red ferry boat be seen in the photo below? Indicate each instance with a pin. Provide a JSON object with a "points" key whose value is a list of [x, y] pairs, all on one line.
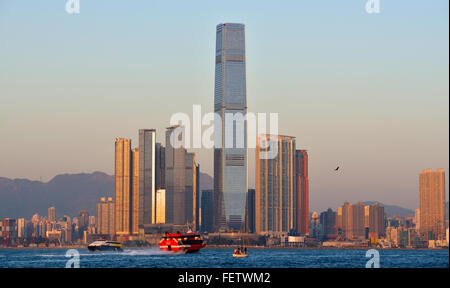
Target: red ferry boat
{"points": [[188, 242]]}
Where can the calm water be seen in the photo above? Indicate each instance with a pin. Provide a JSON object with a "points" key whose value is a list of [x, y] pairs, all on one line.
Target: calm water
{"points": [[222, 258]]}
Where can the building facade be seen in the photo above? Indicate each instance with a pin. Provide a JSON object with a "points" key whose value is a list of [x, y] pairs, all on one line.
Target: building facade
{"points": [[432, 204], [123, 187], [275, 186], [302, 192], [230, 143]]}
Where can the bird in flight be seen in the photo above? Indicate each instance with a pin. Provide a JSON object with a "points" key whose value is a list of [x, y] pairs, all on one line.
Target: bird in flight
{"points": [[337, 168]]}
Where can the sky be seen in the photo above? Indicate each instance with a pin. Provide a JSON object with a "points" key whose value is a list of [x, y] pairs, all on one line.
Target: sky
{"points": [[366, 92]]}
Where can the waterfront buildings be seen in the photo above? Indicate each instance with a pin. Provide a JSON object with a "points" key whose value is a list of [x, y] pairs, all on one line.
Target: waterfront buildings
{"points": [[230, 143], [135, 192], [180, 178], [250, 211], [123, 187], [374, 220], [147, 181], [302, 192], [432, 203], [275, 186], [160, 206], [105, 216]]}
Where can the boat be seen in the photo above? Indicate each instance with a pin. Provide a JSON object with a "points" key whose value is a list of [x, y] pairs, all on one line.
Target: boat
{"points": [[240, 252], [188, 242], [105, 246]]}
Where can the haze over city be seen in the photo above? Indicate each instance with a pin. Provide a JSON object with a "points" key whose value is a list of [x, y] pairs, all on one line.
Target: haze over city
{"points": [[368, 94]]}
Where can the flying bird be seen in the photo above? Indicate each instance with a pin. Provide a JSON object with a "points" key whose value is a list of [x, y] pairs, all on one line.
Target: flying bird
{"points": [[337, 168]]}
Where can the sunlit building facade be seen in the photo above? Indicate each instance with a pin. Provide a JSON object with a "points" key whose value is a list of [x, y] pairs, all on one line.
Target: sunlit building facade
{"points": [[432, 204], [230, 151], [275, 187], [302, 192], [123, 187]]}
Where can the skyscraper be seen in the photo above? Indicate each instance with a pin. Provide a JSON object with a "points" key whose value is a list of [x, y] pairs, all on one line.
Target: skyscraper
{"points": [[51, 214], [181, 183], [135, 192], [147, 183], [432, 204], [230, 102], [123, 187], [250, 211], [302, 192], [160, 206], [374, 219], [275, 193]]}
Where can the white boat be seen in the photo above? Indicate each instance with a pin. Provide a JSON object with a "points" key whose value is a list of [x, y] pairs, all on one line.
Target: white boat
{"points": [[105, 246]]}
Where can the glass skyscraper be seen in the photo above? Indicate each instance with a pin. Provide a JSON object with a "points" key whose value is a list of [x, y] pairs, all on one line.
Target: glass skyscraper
{"points": [[230, 100]]}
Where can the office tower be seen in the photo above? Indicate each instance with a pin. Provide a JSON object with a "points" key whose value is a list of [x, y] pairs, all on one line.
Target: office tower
{"points": [[147, 181], [302, 191], [123, 188], [105, 216], [207, 211], [432, 203], [51, 214], [135, 192], [250, 212], [68, 232], [328, 224], [180, 180], [160, 166], [275, 186], [374, 220], [160, 206], [230, 143]]}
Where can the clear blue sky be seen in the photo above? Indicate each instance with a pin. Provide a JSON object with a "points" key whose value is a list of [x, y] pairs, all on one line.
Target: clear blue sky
{"points": [[366, 92]]}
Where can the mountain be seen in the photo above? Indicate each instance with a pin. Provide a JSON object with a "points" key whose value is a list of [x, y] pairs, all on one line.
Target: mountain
{"points": [[68, 193], [393, 210]]}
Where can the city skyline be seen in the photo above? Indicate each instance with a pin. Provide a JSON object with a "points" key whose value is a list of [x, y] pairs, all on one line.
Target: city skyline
{"points": [[373, 146]]}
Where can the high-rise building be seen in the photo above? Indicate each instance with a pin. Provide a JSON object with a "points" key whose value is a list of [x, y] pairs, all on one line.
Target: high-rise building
{"points": [[230, 103], [275, 186], [374, 220], [160, 164], [160, 206], [123, 187], [207, 211], [83, 222], [302, 192], [432, 203], [135, 192], [350, 221], [21, 228], [105, 216], [51, 214], [417, 219], [328, 224], [147, 181], [181, 183]]}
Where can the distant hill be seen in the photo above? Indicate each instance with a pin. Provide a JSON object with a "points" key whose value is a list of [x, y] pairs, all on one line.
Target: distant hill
{"points": [[69, 193], [393, 210]]}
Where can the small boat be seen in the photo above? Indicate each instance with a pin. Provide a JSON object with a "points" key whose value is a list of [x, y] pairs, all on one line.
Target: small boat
{"points": [[240, 253], [184, 242], [105, 246]]}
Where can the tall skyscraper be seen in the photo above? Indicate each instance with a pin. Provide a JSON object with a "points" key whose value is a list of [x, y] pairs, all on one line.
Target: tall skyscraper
{"points": [[51, 214], [230, 102], [275, 186], [160, 164], [105, 216], [123, 187], [147, 181], [135, 192], [302, 192], [180, 181], [432, 204]]}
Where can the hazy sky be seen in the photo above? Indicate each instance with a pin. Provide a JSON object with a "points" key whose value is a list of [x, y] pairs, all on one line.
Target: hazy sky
{"points": [[367, 92]]}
